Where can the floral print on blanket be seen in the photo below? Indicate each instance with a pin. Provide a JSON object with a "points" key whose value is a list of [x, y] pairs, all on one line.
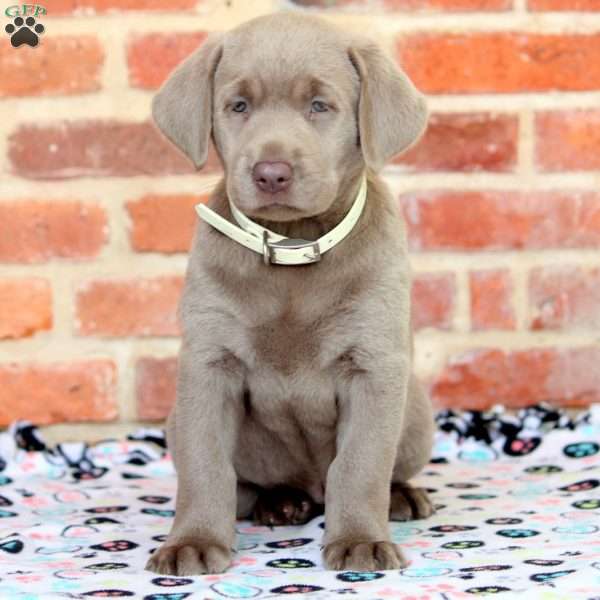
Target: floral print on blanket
{"points": [[517, 498]]}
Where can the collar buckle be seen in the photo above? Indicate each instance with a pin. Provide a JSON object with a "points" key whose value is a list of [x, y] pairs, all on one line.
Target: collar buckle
{"points": [[311, 251]]}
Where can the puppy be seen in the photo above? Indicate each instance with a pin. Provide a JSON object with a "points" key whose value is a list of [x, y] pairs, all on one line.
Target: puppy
{"points": [[295, 392]]}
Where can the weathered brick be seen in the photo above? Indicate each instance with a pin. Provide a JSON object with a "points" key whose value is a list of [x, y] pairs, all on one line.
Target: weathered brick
{"points": [[96, 149], [116, 308], [558, 5], [25, 307], [49, 69], [32, 231], [86, 7], [152, 57], [568, 140], [433, 300], [501, 62], [57, 392], [155, 387], [491, 306], [465, 142], [502, 220], [565, 297], [163, 223], [480, 378]]}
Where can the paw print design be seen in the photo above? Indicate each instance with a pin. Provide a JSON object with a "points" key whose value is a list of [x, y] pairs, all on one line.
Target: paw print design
{"points": [[521, 447], [354, 576], [105, 509], [487, 589], [541, 577], [296, 589], [591, 504], [12, 547], [462, 544], [178, 596], [290, 563], [543, 469], [504, 521], [24, 31], [155, 499], [158, 513], [486, 568], [171, 581], [115, 546], [581, 486], [105, 566], [517, 533], [452, 528], [581, 449], [544, 562], [459, 485], [292, 543], [100, 521], [476, 496], [109, 593]]}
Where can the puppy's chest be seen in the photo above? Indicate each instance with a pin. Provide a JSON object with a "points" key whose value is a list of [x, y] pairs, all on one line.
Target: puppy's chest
{"points": [[286, 345]]}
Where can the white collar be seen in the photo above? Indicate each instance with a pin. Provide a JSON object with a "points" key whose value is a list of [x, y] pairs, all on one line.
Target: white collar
{"points": [[278, 249]]}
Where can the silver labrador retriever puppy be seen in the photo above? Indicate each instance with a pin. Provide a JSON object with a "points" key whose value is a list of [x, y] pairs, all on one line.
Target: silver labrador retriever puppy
{"points": [[295, 392]]}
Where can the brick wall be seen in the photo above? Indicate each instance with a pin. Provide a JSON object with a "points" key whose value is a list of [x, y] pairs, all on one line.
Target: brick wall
{"points": [[501, 197]]}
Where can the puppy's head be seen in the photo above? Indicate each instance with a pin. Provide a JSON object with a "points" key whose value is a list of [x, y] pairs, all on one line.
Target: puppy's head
{"points": [[296, 109]]}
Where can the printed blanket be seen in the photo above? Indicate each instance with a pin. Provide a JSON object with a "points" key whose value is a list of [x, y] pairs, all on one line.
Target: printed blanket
{"points": [[517, 498]]}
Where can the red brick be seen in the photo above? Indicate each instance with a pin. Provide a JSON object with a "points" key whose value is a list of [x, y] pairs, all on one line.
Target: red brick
{"points": [[116, 308], [465, 142], [49, 69], [491, 306], [153, 56], [565, 297], [481, 378], [502, 220], [501, 62], [568, 140], [57, 392], [86, 7], [408, 5], [433, 300], [448, 5], [96, 149], [155, 387], [25, 307], [584, 5], [163, 223], [32, 231]]}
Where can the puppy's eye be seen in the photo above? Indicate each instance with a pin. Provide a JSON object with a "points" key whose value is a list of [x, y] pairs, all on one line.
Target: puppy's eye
{"points": [[240, 106], [318, 106]]}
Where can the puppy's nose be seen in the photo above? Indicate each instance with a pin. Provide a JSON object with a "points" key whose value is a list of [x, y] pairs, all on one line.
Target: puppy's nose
{"points": [[272, 177]]}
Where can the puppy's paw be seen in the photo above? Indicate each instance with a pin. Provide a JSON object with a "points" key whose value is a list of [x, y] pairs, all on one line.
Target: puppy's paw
{"points": [[189, 558], [357, 555], [285, 505], [408, 502]]}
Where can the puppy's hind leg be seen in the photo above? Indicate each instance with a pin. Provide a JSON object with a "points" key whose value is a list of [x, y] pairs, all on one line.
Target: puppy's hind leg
{"points": [[408, 503], [414, 450], [285, 505]]}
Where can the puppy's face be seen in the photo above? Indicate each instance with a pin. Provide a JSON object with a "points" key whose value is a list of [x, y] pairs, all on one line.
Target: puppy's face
{"points": [[285, 121], [296, 108]]}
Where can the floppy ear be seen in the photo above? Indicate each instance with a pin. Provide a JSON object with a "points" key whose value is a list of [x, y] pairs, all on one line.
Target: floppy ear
{"points": [[182, 108], [392, 113]]}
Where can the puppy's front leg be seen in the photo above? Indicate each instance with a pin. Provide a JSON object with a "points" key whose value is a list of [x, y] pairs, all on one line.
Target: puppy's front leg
{"points": [[206, 424], [357, 503]]}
